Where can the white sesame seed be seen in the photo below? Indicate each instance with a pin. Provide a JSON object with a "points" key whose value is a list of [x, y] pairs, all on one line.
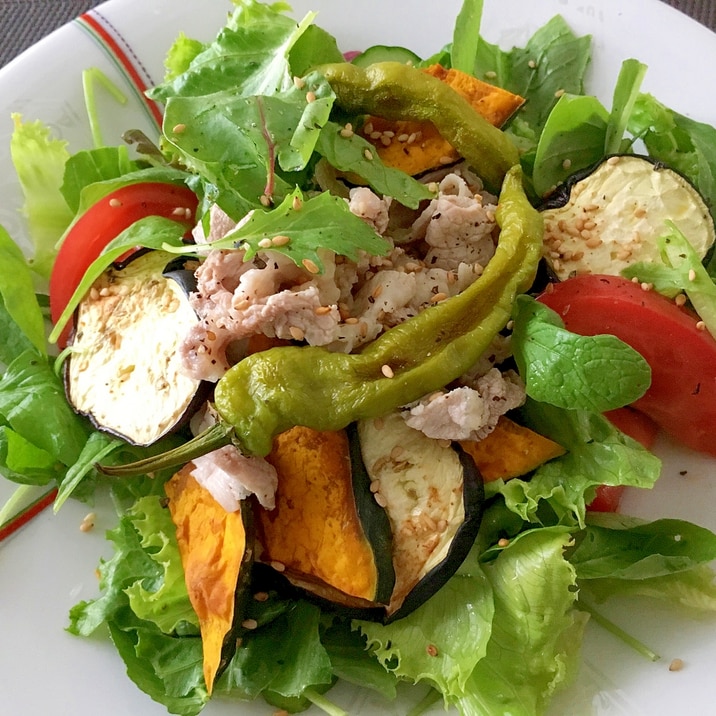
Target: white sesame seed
{"points": [[692, 275], [265, 243], [368, 154], [115, 203], [310, 266], [280, 240], [387, 371], [310, 97], [299, 82], [296, 333], [179, 128]]}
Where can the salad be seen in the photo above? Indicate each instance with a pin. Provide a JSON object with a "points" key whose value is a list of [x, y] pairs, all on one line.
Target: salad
{"points": [[520, 519]]}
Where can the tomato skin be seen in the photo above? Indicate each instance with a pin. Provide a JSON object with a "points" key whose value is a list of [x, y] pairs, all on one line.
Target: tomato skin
{"points": [[635, 424], [105, 220], [607, 498], [682, 395]]}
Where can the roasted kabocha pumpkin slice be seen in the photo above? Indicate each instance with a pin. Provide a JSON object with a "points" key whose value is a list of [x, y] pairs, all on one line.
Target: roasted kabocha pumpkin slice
{"points": [[327, 535], [124, 370], [510, 450], [433, 495], [216, 549]]}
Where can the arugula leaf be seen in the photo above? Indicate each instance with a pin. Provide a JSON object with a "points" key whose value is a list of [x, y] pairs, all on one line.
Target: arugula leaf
{"points": [[313, 48], [249, 56], [534, 592], [579, 131], [14, 341], [596, 373], [348, 154], [352, 661], [39, 161], [167, 668], [322, 222], [624, 98], [669, 560], [18, 295], [97, 447], [91, 166]]}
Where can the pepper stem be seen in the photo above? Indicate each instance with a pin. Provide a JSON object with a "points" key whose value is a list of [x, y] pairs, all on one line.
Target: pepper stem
{"points": [[213, 438]]}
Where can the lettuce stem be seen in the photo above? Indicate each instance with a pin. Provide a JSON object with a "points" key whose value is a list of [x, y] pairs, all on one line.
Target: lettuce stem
{"points": [[618, 632]]}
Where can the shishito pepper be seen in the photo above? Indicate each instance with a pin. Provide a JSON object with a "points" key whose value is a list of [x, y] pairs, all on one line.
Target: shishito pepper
{"points": [[393, 90], [269, 392]]}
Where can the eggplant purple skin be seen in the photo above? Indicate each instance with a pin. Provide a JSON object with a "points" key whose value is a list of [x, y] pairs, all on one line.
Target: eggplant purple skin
{"points": [[186, 279]]}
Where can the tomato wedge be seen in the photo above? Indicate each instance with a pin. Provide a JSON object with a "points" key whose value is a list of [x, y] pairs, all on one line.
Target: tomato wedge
{"points": [[682, 395], [102, 222]]}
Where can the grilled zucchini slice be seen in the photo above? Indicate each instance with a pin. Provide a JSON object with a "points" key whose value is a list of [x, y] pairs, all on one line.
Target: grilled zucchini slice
{"points": [[610, 216]]}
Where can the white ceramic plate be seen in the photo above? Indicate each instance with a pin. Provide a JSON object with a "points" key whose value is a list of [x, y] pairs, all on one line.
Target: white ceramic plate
{"points": [[50, 565]]}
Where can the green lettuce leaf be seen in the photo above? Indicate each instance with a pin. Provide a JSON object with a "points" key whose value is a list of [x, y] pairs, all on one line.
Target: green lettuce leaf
{"points": [[284, 656], [598, 454], [30, 388], [39, 160], [681, 270], [534, 646], [18, 297], [442, 641], [596, 373], [680, 142]]}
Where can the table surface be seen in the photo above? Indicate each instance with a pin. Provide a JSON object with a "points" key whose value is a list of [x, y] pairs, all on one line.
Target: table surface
{"points": [[24, 22]]}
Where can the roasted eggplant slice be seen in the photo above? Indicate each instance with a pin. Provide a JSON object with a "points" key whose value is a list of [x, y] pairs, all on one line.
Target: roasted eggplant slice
{"points": [[433, 494], [124, 370], [216, 549], [326, 535], [610, 216]]}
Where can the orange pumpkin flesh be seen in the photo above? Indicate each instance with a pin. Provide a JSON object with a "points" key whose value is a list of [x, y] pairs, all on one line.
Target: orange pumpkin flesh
{"points": [[315, 534], [215, 555]]}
